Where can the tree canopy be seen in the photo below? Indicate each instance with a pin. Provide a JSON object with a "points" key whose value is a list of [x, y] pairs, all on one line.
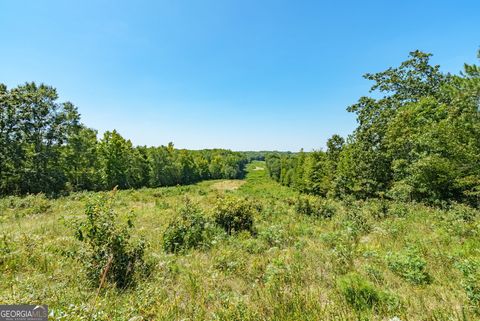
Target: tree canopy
{"points": [[46, 149], [418, 138]]}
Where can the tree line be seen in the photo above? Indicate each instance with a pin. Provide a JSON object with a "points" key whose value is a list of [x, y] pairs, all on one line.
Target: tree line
{"points": [[46, 149], [417, 139]]}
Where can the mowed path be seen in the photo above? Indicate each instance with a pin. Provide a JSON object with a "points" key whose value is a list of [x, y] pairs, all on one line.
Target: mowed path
{"points": [[234, 184], [228, 185]]}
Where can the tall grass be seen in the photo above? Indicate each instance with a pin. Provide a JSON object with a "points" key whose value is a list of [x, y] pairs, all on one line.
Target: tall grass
{"points": [[352, 261]]}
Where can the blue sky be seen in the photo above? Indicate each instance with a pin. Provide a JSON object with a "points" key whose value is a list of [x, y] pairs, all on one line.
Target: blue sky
{"points": [[244, 75]]}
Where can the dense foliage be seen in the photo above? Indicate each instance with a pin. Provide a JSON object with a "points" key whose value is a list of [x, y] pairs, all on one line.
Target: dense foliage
{"points": [[45, 148], [418, 138], [109, 254], [189, 230], [235, 215]]}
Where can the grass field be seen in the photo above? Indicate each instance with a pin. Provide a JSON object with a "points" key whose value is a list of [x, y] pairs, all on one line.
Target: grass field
{"points": [[370, 261]]}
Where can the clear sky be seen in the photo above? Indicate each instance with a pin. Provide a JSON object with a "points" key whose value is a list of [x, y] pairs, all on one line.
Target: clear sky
{"points": [[244, 75]]}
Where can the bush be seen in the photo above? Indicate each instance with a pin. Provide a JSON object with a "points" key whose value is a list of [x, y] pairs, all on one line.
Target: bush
{"points": [[278, 273], [378, 209], [189, 230], [235, 214], [326, 209], [314, 206], [111, 255], [24, 206], [303, 206], [229, 261], [401, 191], [398, 209], [463, 212], [7, 251], [274, 236], [471, 282], [356, 221], [359, 293], [374, 274], [343, 248], [410, 266]]}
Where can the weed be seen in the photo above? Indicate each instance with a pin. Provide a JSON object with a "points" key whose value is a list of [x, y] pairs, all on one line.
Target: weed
{"points": [[359, 293], [409, 265], [343, 249], [277, 272], [374, 274], [398, 209], [357, 221], [24, 206], [463, 212], [274, 236], [471, 280], [378, 209], [228, 261], [364, 297]]}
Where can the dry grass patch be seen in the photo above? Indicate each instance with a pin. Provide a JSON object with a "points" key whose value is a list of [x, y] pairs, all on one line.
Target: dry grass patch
{"points": [[228, 185]]}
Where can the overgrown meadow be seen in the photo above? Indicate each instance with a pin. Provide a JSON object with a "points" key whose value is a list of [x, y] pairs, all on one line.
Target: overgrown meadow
{"points": [[382, 225], [238, 250]]}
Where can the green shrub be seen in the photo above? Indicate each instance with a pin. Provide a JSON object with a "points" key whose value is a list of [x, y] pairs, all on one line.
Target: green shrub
{"points": [[343, 248], [254, 245], [471, 280], [110, 252], [410, 266], [229, 261], [362, 295], [161, 204], [459, 220], [356, 220], [303, 206], [314, 206], [274, 235], [326, 209], [378, 209], [235, 214], [7, 248], [359, 293], [401, 191], [277, 273], [463, 212], [27, 205], [374, 274], [189, 230], [398, 209], [290, 201]]}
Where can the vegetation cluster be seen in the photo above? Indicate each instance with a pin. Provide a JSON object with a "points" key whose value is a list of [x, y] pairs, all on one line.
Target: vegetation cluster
{"points": [[418, 139]]}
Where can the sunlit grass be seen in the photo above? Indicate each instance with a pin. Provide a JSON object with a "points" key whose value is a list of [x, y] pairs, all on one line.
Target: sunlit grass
{"points": [[295, 267]]}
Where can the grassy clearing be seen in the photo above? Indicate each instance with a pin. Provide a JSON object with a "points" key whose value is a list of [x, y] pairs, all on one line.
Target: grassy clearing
{"points": [[228, 185], [369, 261]]}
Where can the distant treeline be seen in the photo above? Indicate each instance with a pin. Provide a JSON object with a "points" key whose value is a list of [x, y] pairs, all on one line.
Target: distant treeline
{"points": [[418, 138], [262, 155], [44, 148]]}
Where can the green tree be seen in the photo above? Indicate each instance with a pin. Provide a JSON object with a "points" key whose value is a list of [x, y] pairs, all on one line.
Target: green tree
{"points": [[413, 80], [434, 144], [80, 159], [116, 159], [274, 166], [34, 128]]}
